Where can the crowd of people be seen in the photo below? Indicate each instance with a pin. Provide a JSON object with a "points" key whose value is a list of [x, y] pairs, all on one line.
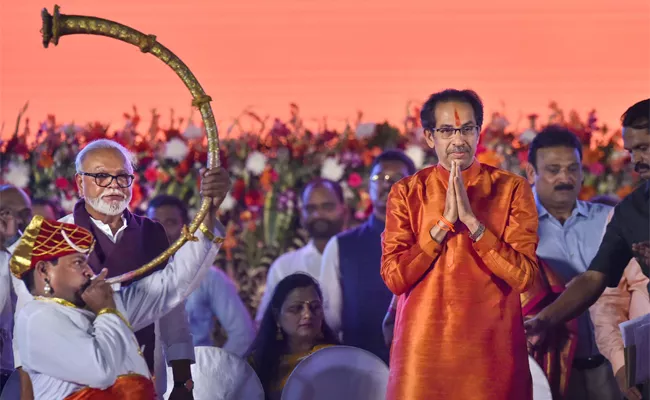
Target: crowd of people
{"points": [[461, 273]]}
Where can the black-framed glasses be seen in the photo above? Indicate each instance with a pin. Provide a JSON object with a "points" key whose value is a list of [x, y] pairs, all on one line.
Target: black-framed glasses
{"points": [[448, 132], [102, 179], [390, 179]]}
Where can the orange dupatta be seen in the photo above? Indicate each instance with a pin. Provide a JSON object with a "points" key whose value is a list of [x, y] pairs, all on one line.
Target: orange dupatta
{"points": [[126, 387], [556, 356]]}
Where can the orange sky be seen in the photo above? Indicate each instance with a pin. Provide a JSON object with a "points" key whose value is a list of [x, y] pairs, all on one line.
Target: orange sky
{"points": [[331, 57]]}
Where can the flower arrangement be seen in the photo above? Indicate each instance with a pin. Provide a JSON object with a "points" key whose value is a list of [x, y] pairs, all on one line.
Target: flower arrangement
{"points": [[270, 164]]}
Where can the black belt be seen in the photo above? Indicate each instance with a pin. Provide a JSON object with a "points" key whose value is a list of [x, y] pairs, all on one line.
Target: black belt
{"points": [[588, 363]]}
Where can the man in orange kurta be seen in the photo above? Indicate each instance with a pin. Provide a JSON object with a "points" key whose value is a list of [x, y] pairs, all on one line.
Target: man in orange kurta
{"points": [[459, 245]]}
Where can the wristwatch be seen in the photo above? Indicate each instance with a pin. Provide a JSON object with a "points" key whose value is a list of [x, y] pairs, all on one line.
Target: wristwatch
{"points": [[476, 235], [188, 385]]}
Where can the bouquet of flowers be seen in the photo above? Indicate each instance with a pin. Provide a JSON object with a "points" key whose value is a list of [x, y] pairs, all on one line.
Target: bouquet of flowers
{"points": [[270, 163]]}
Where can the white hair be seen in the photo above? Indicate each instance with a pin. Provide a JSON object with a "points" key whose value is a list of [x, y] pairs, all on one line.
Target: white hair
{"points": [[104, 144]]}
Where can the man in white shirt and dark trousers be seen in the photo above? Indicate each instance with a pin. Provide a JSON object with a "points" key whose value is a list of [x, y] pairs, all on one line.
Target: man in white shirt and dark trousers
{"points": [[323, 214]]}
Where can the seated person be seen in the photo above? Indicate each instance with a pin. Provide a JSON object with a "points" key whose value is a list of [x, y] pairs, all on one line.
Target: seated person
{"points": [[292, 328], [76, 338]]}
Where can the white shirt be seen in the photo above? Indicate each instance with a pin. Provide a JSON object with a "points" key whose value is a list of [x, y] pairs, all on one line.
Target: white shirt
{"points": [[306, 259], [330, 284], [65, 348], [173, 336], [217, 297]]}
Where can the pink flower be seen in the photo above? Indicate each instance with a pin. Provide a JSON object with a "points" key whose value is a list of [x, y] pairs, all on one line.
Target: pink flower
{"points": [[355, 180], [597, 168]]}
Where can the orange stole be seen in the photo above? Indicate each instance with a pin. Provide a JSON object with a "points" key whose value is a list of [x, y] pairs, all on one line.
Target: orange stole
{"points": [[556, 356], [126, 387]]}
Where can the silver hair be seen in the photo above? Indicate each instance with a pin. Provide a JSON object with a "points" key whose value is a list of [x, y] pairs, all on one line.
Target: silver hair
{"points": [[104, 144]]}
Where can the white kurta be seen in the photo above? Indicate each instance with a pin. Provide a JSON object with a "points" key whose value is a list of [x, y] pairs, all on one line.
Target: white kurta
{"points": [[65, 349]]}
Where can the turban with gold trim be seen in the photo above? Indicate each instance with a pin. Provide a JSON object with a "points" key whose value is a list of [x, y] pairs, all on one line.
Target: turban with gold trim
{"points": [[45, 240]]}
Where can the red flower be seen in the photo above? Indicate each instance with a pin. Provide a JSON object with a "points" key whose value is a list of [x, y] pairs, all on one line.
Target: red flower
{"points": [[151, 174], [238, 189], [253, 199], [355, 180], [62, 183], [182, 169], [137, 196]]}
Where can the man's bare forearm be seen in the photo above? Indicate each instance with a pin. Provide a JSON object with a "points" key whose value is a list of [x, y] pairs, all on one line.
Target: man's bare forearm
{"points": [[576, 299]]}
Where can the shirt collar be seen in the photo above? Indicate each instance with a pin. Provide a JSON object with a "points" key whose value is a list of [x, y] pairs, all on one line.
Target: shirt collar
{"points": [[580, 208], [105, 228], [311, 248]]}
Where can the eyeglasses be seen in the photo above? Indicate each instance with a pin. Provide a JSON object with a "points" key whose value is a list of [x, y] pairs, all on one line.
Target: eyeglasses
{"points": [[103, 179], [386, 178], [447, 133]]}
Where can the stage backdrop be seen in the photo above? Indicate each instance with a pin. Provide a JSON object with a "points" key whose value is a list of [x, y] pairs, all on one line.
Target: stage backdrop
{"points": [[330, 57]]}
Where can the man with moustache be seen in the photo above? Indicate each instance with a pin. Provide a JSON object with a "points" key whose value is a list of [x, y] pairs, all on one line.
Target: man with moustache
{"points": [[354, 295], [125, 242], [76, 336], [216, 298], [627, 236], [458, 249], [323, 214], [569, 232]]}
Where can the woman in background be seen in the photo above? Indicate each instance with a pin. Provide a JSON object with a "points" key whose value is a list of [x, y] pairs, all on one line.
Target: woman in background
{"points": [[292, 328]]}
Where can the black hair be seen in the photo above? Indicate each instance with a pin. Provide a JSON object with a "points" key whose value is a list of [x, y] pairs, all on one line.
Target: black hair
{"points": [[266, 350], [166, 200], [318, 182], [428, 116], [553, 136], [28, 276], [637, 116], [395, 155]]}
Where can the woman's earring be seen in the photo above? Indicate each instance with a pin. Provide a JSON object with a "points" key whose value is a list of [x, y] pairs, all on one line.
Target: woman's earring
{"points": [[279, 336], [47, 288]]}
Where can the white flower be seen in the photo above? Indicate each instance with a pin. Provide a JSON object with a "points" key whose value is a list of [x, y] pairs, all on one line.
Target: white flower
{"points": [[348, 194], [256, 162], [192, 131], [17, 174], [416, 154], [68, 204], [176, 149], [228, 203], [617, 155], [527, 136], [332, 169], [365, 130]]}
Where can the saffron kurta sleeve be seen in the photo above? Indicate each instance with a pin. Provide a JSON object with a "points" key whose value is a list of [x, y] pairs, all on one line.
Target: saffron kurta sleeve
{"points": [[405, 257], [513, 258]]}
